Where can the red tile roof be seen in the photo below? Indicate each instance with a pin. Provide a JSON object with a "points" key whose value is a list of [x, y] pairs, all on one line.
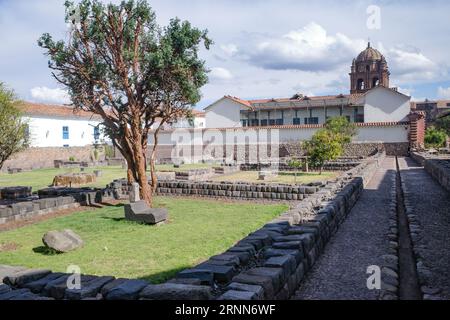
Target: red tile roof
{"points": [[58, 111]]}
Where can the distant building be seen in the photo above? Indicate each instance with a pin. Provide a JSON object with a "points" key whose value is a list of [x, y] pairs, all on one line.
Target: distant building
{"points": [[370, 100], [60, 126], [195, 122], [432, 108]]}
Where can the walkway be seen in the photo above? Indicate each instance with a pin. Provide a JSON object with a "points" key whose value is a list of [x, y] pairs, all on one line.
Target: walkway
{"points": [[431, 205], [340, 272]]}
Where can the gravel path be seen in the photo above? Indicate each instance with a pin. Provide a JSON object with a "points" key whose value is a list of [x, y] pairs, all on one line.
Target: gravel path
{"points": [[431, 205], [340, 272]]}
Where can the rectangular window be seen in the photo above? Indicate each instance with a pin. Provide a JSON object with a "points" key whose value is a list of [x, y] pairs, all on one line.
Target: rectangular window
{"points": [[264, 122], [96, 133], [65, 133], [254, 122], [272, 122], [279, 122], [244, 123], [312, 120], [359, 118], [296, 121]]}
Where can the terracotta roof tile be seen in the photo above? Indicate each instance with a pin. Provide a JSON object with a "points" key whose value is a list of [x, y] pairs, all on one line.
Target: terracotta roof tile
{"points": [[59, 111]]}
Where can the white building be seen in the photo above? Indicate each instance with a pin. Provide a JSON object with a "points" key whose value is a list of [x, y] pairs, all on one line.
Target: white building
{"points": [[60, 126], [197, 121], [371, 100]]}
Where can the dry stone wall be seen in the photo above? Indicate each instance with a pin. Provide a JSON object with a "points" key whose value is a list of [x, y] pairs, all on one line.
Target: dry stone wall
{"points": [[438, 168], [269, 263]]}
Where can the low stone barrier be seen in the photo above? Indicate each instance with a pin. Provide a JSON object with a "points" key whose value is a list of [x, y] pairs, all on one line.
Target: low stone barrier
{"points": [[195, 174], [438, 168], [226, 169], [51, 200], [13, 193], [269, 263]]}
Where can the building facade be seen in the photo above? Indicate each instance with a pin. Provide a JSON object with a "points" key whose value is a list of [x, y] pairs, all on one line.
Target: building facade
{"points": [[370, 100], [60, 126]]}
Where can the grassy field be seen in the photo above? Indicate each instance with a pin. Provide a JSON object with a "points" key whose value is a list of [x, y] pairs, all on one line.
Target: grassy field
{"points": [[289, 178], [197, 230], [42, 178]]}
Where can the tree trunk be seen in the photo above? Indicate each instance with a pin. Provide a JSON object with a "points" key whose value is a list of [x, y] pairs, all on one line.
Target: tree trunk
{"points": [[152, 162]]}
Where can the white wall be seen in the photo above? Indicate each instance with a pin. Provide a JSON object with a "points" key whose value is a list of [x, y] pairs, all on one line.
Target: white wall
{"points": [[384, 105], [225, 113], [45, 132]]}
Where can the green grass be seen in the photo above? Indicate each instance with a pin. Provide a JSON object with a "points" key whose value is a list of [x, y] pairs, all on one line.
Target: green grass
{"points": [[283, 177], [197, 230], [42, 178]]}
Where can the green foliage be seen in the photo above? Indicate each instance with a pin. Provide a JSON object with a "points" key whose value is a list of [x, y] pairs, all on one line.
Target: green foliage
{"points": [[328, 143], [323, 146], [72, 158], [13, 129], [435, 138], [109, 151], [295, 163], [341, 128], [443, 123]]}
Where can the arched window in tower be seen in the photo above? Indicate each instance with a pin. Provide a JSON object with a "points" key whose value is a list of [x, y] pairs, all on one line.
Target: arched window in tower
{"points": [[375, 82], [361, 85]]}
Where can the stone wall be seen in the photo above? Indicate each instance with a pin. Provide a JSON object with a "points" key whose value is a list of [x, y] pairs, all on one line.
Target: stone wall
{"points": [[50, 200], [35, 158], [438, 168]]}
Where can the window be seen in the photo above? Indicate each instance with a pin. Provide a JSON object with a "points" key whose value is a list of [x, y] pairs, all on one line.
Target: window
{"points": [[360, 84], [312, 120], [279, 122], [271, 122], [244, 123], [96, 133], [254, 122], [296, 121], [65, 133], [264, 122]]}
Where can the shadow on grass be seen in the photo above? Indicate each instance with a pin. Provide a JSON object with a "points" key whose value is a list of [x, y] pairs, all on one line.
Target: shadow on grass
{"points": [[46, 251], [114, 219], [119, 205], [163, 276]]}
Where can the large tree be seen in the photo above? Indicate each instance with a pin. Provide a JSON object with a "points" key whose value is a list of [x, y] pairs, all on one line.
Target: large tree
{"points": [[13, 129], [118, 63]]}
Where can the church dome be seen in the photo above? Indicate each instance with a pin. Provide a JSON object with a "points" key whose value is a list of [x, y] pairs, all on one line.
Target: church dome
{"points": [[370, 54]]}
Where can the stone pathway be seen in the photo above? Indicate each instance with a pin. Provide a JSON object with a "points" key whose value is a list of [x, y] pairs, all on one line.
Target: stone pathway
{"points": [[431, 205], [340, 272]]}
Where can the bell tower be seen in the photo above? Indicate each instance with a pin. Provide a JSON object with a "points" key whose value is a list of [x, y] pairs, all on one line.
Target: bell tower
{"points": [[368, 70]]}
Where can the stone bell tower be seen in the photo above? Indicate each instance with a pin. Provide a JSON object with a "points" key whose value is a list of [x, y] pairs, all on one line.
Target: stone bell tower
{"points": [[368, 70]]}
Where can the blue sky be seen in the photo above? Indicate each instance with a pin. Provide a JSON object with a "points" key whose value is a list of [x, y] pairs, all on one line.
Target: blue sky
{"points": [[263, 49]]}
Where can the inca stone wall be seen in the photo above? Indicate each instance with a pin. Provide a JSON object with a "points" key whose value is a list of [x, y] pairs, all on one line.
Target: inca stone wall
{"points": [[35, 158], [267, 264], [438, 168]]}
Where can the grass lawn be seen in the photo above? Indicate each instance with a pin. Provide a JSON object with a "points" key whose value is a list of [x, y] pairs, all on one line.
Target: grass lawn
{"points": [[283, 177], [42, 178], [197, 230]]}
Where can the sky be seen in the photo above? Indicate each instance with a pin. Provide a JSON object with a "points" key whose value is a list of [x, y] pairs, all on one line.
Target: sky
{"points": [[262, 48]]}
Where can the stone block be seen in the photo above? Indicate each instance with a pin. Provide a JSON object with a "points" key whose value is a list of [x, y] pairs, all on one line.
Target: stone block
{"points": [[244, 257], [124, 290], [89, 289], [297, 254], [20, 278], [238, 295], [62, 241], [140, 212], [258, 290], [276, 274], [38, 285], [243, 247], [56, 288], [263, 281], [225, 259], [176, 291], [222, 274], [4, 288], [287, 245], [286, 262], [205, 276]]}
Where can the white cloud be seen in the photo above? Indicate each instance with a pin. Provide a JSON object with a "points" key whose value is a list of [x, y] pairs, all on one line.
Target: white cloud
{"points": [[220, 74], [44, 94], [444, 92], [229, 49], [310, 48]]}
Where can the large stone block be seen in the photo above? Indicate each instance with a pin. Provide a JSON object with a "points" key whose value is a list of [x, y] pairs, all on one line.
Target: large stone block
{"points": [[176, 291], [124, 290], [206, 276], [221, 273], [20, 278], [276, 274], [88, 288], [263, 281], [238, 295], [258, 290], [140, 212], [38, 285], [62, 241]]}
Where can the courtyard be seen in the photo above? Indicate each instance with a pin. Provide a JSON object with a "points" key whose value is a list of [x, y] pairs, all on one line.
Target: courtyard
{"points": [[197, 229]]}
